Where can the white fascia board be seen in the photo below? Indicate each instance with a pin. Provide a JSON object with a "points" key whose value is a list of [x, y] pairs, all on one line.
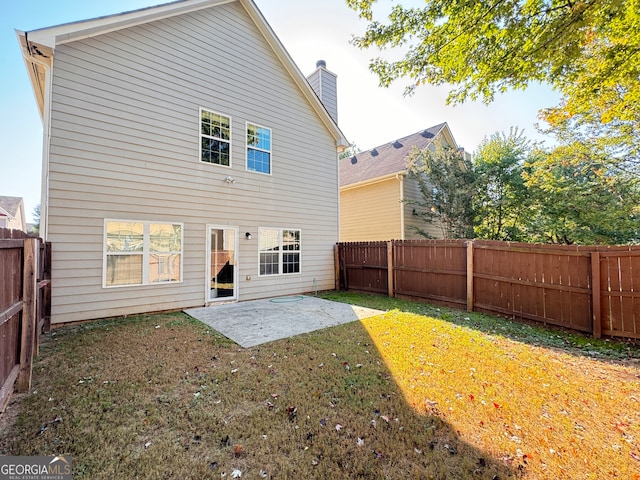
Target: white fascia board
{"points": [[68, 32], [372, 181], [446, 132], [4, 213]]}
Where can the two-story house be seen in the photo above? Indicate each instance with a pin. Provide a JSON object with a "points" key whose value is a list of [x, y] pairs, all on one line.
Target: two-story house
{"points": [[377, 196], [186, 161]]}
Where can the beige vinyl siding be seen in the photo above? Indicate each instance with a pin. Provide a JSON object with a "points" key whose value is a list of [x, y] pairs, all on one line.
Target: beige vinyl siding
{"points": [[371, 212], [412, 193], [125, 144]]}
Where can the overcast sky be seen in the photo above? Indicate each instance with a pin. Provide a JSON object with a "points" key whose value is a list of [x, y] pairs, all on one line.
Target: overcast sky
{"points": [[310, 30]]}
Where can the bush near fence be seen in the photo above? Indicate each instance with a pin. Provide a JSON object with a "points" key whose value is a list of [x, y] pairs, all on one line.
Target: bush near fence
{"points": [[25, 307], [592, 289]]}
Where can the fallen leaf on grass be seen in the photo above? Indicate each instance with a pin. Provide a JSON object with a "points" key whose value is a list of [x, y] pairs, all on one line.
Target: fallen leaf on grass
{"points": [[621, 427], [236, 474], [292, 412], [338, 427], [360, 442]]}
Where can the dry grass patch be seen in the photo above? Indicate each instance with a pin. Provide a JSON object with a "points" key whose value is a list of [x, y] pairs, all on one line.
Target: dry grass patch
{"points": [[429, 394]]}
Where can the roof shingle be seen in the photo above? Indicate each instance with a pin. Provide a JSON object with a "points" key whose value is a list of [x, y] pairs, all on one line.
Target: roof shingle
{"points": [[385, 159], [10, 205]]}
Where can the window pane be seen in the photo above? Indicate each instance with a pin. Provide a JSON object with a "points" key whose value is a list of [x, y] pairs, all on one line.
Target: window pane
{"points": [[291, 239], [269, 239], [290, 262], [259, 137], [269, 263], [215, 125], [165, 237], [164, 268], [125, 237], [124, 270], [258, 161], [215, 132]]}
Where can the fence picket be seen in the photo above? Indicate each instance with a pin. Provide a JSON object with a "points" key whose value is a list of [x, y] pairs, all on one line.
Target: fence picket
{"points": [[592, 289], [25, 307]]}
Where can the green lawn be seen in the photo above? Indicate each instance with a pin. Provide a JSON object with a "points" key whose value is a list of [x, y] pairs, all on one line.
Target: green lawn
{"points": [[419, 392]]}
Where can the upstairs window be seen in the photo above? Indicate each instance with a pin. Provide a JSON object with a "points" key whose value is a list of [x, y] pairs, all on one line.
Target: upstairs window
{"points": [[215, 138], [258, 148]]}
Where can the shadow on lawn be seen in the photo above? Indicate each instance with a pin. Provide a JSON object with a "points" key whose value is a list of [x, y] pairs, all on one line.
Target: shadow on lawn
{"points": [[608, 350], [165, 397]]}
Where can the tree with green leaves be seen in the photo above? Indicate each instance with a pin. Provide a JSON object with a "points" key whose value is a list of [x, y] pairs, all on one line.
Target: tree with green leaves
{"points": [[485, 47], [350, 151], [36, 218], [501, 202], [580, 195], [446, 180]]}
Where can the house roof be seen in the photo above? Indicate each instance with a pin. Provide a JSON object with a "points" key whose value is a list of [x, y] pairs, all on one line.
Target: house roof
{"points": [[390, 158], [9, 206], [38, 46]]}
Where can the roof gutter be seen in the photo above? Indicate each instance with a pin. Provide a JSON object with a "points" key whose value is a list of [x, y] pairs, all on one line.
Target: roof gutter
{"points": [[372, 181]]}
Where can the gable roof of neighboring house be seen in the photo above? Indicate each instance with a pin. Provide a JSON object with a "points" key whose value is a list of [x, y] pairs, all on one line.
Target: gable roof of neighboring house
{"points": [[38, 47], [10, 206], [390, 158]]}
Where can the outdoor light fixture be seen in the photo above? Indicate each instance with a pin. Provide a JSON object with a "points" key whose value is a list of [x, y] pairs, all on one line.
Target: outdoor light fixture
{"points": [[248, 236], [230, 179]]}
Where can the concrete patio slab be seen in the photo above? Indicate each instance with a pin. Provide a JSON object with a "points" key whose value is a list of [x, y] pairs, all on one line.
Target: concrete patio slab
{"points": [[256, 322]]}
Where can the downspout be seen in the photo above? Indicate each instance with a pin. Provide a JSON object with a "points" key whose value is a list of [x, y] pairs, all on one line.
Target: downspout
{"points": [[400, 178]]}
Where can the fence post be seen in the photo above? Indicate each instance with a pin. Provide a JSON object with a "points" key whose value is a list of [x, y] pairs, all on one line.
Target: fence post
{"points": [[390, 268], [29, 328], [595, 295], [336, 261], [469, 275]]}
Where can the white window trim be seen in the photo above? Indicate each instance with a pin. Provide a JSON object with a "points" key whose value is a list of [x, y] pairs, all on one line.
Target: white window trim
{"points": [[200, 135], [236, 273], [145, 253], [246, 148], [280, 253]]}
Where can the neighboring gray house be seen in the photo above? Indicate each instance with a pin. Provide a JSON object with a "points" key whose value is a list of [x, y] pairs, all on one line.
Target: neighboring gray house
{"points": [[376, 192], [12, 213], [186, 161]]}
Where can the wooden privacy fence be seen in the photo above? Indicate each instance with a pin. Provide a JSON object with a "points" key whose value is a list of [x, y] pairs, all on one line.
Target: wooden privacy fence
{"points": [[25, 307], [593, 289]]}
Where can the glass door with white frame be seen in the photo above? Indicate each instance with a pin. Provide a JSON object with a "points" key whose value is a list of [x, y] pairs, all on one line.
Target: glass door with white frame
{"points": [[222, 263]]}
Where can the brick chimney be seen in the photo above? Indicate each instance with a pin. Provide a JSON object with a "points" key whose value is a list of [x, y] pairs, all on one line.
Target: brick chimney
{"points": [[324, 83]]}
